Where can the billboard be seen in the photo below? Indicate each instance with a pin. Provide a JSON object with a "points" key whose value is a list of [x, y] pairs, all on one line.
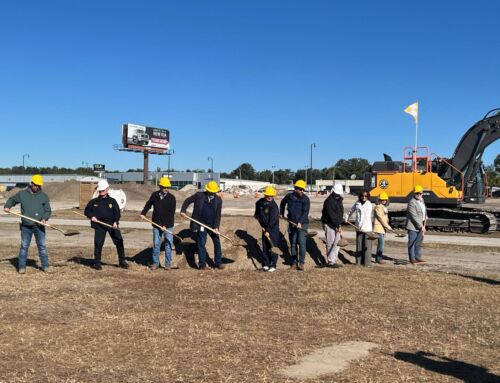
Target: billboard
{"points": [[145, 138]]}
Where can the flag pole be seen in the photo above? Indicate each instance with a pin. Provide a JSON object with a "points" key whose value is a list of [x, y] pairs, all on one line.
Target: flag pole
{"points": [[416, 146]]}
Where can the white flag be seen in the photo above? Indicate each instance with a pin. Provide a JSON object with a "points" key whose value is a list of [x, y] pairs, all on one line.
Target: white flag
{"points": [[413, 110]]}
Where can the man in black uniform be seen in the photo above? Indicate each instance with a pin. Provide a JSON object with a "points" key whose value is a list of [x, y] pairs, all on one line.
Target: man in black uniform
{"points": [[268, 215], [105, 209]]}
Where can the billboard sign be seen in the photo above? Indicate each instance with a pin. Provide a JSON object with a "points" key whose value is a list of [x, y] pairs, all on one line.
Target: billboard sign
{"points": [[145, 137], [99, 167]]}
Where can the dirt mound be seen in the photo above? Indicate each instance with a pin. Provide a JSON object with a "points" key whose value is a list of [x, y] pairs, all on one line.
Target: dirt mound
{"points": [[63, 191], [136, 192], [188, 188]]}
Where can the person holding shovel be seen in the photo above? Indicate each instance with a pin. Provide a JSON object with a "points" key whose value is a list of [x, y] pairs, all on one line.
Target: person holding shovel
{"points": [[207, 210], [34, 204], [298, 205], [363, 209], [332, 217], [104, 208], [381, 224], [416, 217], [268, 215], [163, 204]]}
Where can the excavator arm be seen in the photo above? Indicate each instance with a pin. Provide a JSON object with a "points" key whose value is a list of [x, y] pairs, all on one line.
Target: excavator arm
{"points": [[467, 158]]}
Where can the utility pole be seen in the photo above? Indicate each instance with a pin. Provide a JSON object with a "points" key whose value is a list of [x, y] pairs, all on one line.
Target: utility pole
{"points": [[25, 155], [273, 167], [313, 145], [305, 168], [211, 159], [169, 152]]}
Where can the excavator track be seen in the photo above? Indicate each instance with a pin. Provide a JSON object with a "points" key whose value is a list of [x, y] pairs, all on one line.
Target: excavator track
{"points": [[454, 220]]}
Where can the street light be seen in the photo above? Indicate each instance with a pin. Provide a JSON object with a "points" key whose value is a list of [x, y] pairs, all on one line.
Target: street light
{"points": [[211, 168], [272, 169], [169, 152], [305, 168], [25, 155], [313, 145]]}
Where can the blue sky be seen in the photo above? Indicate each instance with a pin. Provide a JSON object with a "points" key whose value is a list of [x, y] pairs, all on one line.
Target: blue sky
{"points": [[243, 81]]}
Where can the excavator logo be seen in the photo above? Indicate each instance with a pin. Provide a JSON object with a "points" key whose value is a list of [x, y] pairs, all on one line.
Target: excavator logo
{"points": [[384, 184]]}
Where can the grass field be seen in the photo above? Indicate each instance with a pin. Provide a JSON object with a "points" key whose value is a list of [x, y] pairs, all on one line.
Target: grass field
{"points": [[79, 325]]}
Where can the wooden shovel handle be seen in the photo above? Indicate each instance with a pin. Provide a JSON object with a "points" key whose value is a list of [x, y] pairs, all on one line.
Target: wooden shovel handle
{"points": [[102, 223], [208, 227], [161, 228]]}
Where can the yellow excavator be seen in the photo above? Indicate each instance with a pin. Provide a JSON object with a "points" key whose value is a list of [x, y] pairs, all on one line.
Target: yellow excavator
{"points": [[448, 183]]}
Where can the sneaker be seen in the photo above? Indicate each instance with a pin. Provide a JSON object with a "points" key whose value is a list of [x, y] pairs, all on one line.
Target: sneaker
{"points": [[123, 265], [153, 267], [97, 266], [300, 267], [265, 268], [330, 264], [22, 271], [336, 266], [221, 266], [204, 268], [293, 266], [167, 267], [380, 261], [272, 269], [46, 269], [419, 260]]}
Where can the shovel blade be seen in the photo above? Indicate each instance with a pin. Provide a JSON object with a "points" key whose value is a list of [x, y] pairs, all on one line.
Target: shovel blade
{"points": [[311, 234], [70, 233]]}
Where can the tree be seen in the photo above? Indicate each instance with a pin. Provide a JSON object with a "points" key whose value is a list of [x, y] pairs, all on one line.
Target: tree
{"points": [[493, 175], [344, 169], [246, 171], [497, 163]]}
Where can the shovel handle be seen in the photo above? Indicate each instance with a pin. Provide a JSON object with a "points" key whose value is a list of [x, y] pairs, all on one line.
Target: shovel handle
{"points": [[208, 228], [102, 223], [161, 228], [293, 223], [30, 219]]}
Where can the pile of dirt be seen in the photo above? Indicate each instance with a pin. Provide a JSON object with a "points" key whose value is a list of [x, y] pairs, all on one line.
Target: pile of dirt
{"points": [[188, 188], [136, 192], [63, 191]]}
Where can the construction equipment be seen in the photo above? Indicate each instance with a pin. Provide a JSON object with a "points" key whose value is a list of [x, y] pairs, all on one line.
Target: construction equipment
{"points": [[309, 234], [67, 233], [184, 241], [447, 184]]}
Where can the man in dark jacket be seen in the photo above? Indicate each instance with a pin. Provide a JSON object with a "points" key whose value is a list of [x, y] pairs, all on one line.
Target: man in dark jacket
{"points": [[105, 209], [163, 204], [35, 204], [298, 210], [267, 213], [207, 210], [332, 218]]}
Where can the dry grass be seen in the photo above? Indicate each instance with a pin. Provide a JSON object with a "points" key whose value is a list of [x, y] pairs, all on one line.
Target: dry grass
{"points": [[78, 325]]}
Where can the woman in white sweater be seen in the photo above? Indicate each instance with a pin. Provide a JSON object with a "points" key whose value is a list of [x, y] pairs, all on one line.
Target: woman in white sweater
{"points": [[363, 209]]}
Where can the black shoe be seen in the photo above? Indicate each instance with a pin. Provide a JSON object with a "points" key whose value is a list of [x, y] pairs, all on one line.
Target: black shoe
{"points": [[123, 265], [97, 266]]}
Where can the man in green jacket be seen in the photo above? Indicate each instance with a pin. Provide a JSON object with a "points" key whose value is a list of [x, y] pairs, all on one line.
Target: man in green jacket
{"points": [[34, 204]]}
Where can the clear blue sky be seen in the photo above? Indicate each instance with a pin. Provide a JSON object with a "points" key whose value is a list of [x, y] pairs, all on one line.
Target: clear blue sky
{"points": [[243, 81]]}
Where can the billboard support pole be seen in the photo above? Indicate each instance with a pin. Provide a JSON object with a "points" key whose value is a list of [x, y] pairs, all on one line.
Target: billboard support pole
{"points": [[145, 169]]}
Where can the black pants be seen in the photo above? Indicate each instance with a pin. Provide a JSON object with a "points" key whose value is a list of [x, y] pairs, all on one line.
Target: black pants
{"points": [[269, 258], [100, 236]]}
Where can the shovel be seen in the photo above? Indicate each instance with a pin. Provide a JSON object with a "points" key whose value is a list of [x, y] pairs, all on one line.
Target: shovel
{"points": [[309, 234], [213, 231], [67, 233], [371, 236], [184, 241], [398, 234], [100, 222]]}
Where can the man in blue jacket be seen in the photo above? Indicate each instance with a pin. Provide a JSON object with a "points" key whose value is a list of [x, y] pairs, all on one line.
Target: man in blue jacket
{"points": [[207, 210], [298, 210], [35, 204], [268, 215]]}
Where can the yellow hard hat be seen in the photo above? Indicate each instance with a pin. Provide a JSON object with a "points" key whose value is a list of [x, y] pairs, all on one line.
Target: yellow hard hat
{"points": [[300, 184], [269, 191], [165, 182], [383, 196], [418, 189], [37, 180], [212, 187]]}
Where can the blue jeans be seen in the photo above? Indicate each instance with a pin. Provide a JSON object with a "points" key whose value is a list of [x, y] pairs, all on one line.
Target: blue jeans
{"points": [[297, 239], [158, 236], [202, 252], [380, 247], [27, 233], [414, 240]]}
